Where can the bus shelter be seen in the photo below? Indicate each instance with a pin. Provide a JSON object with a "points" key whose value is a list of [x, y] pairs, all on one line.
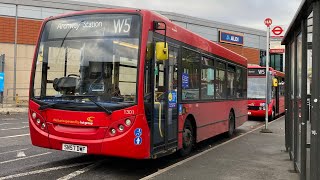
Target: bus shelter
{"points": [[302, 41]]}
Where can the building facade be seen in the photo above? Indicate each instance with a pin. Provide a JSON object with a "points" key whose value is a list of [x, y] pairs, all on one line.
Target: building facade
{"points": [[20, 21]]}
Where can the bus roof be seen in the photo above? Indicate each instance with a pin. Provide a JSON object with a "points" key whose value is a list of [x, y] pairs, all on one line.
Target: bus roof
{"points": [[174, 31]]}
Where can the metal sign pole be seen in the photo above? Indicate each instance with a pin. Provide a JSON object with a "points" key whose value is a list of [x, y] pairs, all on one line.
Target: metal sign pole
{"points": [[267, 75], [266, 130]]}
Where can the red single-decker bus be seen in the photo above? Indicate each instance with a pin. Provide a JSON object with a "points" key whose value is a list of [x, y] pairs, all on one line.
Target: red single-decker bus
{"points": [[130, 83], [257, 92]]}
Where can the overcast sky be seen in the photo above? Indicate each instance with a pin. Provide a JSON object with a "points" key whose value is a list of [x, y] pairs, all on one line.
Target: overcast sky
{"points": [[249, 13]]}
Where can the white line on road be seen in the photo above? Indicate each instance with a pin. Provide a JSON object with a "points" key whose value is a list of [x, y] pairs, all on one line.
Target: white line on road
{"points": [[14, 128], [6, 137], [14, 151], [14, 123], [200, 154], [81, 171], [42, 171], [12, 160], [9, 119]]}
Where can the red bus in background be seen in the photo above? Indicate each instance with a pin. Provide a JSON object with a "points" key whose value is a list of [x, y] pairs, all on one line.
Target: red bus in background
{"points": [[257, 92], [130, 83]]}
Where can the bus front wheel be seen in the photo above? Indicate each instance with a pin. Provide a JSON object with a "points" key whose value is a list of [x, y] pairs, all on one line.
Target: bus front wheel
{"points": [[231, 126], [188, 138]]}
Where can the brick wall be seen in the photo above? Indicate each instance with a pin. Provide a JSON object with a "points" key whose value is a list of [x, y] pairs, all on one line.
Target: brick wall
{"points": [[27, 30], [253, 55], [7, 30]]}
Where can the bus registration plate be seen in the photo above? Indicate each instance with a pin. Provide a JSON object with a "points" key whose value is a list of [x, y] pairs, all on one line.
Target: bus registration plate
{"points": [[74, 148]]}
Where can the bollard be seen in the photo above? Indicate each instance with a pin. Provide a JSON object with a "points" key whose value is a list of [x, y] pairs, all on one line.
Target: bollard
{"points": [[17, 99]]}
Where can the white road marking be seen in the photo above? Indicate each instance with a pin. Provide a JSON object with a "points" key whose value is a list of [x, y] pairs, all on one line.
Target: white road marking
{"points": [[12, 160], [21, 154], [14, 123], [9, 119], [200, 154], [42, 171], [14, 151], [81, 171], [6, 137], [14, 128]]}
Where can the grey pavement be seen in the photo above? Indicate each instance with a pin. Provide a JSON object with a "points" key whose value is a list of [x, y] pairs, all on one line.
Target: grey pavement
{"points": [[254, 156], [12, 109]]}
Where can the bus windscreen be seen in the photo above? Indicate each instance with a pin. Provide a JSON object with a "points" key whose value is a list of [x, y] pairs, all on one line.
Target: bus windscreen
{"points": [[256, 88], [92, 56]]}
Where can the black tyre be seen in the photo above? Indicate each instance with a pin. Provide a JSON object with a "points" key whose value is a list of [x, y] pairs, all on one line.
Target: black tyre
{"points": [[188, 138], [231, 126], [273, 115]]}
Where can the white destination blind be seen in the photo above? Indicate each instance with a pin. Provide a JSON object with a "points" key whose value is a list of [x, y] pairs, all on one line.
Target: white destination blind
{"points": [[90, 26]]}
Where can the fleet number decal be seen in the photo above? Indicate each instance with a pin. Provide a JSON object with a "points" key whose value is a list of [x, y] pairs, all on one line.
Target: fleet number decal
{"points": [[128, 111]]}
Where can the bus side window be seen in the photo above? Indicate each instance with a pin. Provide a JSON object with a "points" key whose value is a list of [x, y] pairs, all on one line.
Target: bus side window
{"points": [[221, 88], [190, 74], [238, 83]]}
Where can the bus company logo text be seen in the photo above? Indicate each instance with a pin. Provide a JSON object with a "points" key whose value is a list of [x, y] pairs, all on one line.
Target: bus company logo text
{"points": [[75, 122], [120, 25]]}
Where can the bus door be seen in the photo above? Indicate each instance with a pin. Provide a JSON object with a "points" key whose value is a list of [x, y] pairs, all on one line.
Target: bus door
{"points": [[165, 113]]}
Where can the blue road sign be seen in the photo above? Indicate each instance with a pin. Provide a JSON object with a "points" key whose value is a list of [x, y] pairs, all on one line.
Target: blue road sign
{"points": [[137, 140], [1, 81], [138, 132]]}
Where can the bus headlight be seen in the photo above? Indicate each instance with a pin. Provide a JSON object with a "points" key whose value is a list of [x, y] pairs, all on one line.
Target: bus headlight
{"points": [[38, 120], [43, 125], [113, 131], [121, 127], [128, 122], [262, 108], [34, 115]]}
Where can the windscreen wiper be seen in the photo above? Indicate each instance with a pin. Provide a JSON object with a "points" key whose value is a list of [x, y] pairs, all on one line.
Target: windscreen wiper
{"points": [[46, 106], [43, 107], [108, 111]]}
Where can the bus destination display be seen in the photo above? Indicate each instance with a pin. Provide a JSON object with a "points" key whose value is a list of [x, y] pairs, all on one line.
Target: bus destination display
{"points": [[91, 26]]}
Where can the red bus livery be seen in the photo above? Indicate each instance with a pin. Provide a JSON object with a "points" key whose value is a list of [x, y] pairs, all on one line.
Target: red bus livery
{"points": [[257, 92], [130, 83]]}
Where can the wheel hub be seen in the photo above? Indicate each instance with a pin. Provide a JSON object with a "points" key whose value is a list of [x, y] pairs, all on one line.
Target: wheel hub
{"points": [[187, 137]]}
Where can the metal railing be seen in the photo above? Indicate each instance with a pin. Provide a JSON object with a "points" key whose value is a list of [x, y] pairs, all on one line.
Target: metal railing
{"points": [[16, 100]]}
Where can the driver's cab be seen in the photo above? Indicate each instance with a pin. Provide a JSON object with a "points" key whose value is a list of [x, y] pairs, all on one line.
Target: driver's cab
{"points": [[94, 78]]}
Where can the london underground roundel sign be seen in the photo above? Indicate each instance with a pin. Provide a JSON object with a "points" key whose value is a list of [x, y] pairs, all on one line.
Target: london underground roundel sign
{"points": [[268, 22], [277, 30]]}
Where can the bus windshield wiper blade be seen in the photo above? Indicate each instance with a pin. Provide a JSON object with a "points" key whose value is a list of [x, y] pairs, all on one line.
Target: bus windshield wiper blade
{"points": [[43, 107], [76, 96], [108, 111], [46, 106]]}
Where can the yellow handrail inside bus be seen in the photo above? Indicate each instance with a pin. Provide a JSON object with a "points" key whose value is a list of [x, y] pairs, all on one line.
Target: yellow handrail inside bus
{"points": [[159, 123]]}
